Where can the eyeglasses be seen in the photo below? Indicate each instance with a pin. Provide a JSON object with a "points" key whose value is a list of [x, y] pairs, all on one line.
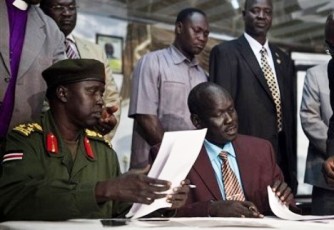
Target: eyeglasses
{"points": [[329, 48], [61, 8]]}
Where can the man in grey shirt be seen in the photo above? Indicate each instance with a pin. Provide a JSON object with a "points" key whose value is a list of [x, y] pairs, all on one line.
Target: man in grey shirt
{"points": [[161, 83]]}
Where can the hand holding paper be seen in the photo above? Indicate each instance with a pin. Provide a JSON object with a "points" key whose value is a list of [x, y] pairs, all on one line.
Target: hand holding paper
{"points": [[177, 154], [283, 212]]}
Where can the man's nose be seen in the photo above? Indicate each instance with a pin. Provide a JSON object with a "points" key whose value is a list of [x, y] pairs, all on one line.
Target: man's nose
{"points": [[261, 14], [100, 100], [227, 118]]}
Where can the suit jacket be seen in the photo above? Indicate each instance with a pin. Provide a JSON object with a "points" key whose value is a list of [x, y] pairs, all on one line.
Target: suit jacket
{"points": [[43, 45], [315, 112], [111, 95], [233, 65], [257, 168]]}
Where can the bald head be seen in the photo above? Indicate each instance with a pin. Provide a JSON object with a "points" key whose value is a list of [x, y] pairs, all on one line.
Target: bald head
{"points": [[203, 94], [211, 107]]}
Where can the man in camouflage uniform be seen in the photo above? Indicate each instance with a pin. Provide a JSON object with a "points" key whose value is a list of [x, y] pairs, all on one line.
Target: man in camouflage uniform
{"points": [[58, 168]]}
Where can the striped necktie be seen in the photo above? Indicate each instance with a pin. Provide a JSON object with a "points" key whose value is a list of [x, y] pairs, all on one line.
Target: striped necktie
{"points": [[232, 187], [272, 84], [70, 52]]}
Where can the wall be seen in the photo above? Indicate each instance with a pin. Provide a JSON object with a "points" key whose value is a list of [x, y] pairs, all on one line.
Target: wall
{"points": [[87, 27]]}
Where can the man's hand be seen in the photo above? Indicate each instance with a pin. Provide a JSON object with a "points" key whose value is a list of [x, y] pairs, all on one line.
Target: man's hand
{"points": [[133, 186], [108, 120], [328, 170], [283, 192], [180, 195], [232, 208]]}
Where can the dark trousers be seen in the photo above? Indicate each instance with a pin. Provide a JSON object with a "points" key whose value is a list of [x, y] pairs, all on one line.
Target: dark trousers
{"points": [[322, 201], [287, 166]]}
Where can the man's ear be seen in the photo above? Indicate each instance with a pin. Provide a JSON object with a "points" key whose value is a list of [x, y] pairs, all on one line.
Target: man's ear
{"points": [[196, 121], [178, 27], [62, 93], [243, 14]]}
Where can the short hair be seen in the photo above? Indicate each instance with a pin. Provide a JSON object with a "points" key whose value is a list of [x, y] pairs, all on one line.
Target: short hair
{"points": [[202, 91], [184, 14], [44, 4], [248, 1], [328, 25], [50, 93]]}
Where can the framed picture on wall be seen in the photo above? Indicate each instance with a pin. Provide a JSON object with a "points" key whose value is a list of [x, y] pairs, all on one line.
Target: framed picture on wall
{"points": [[113, 46]]}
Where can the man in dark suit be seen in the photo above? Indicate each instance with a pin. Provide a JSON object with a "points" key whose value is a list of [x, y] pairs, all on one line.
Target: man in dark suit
{"points": [[325, 195], [251, 159], [266, 110]]}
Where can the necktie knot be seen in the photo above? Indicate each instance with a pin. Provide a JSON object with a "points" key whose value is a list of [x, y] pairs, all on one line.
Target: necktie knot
{"points": [[223, 155], [70, 51], [263, 51], [68, 42]]}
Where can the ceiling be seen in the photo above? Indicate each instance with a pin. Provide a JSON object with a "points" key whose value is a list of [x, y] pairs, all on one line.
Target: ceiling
{"points": [[298, 24]]}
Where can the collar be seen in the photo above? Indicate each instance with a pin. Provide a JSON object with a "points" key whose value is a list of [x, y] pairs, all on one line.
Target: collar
{"points": [[178, 57], [54, 144], [20, 4], [71, 38], [255, 45], [214, 150]]}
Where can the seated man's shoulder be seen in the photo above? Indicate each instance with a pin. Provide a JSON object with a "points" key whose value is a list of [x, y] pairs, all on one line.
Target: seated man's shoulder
{"points": [[28, 129], [97, 137], [252, 139]]}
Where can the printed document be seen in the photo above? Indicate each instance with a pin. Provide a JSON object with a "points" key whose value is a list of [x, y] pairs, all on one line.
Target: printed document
{"points": [[177, 154], [283, 212]]}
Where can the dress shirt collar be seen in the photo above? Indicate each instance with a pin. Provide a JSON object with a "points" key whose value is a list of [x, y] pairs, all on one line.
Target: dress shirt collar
{"points": [[20, 4], [214, 150], [178, 57], [255, 45], [71, 38]]}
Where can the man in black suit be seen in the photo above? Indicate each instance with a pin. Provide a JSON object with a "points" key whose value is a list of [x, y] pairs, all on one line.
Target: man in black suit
{"points": [[266, 110]]}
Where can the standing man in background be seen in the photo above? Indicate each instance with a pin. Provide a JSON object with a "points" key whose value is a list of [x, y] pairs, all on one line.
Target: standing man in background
{"points": [[315, 112], [64, 13], [324, 195], [161, 82], [260, 79], [29, 43]]}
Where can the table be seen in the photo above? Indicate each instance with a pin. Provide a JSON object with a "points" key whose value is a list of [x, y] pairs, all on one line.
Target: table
{"points": [[169, 224]]}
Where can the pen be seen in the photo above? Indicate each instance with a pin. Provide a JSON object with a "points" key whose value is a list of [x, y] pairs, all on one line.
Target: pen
{"points": [[192, 186]]}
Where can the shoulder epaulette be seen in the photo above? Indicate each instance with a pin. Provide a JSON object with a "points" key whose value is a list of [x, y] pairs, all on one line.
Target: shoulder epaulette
{"points": [[97, 136], [29, 128]]}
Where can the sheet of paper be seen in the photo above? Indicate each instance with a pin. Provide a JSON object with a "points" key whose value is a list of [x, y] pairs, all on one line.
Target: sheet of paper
{"points": [[177, 154], [284, 212]]}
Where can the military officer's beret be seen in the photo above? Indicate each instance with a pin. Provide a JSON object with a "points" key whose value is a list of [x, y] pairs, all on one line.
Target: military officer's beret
{"points": [[74, 70]]}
